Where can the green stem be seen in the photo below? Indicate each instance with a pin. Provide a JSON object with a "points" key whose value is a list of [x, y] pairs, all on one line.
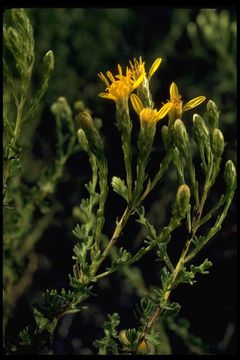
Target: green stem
{"points": [[127, 154], [151, 185], [59, 137], [212, 211], [119, 227], [156, 314], [173, 224], [102, 200], [178, 268], [18, 121], [17, 130], [207, 186], [124, 125], [193, 179], [213, 230]]}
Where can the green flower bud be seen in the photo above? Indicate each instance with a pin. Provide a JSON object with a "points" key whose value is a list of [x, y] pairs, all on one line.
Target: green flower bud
{"points": [[85, 120], [61, 108], [183, 199], [200, 130], [83, 140], [164, 133], [48, 63], [97, 122], [123, 338], [212, 114], [145, 139], [180, 135], [217, 143], [230, 175], [13, 40], [94, 139], [79, 105], [19, 16]]}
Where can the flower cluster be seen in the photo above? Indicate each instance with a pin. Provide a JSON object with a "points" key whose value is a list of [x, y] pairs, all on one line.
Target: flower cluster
{"points": [[121, 86]]}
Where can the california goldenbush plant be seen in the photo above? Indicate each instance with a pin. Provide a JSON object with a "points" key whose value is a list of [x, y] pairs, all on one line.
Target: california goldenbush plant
{"points": [[96, 254]]}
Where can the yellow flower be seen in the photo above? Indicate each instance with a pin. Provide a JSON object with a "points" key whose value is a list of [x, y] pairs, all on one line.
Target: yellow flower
{"points": [[138, 68], [176, 102], [149, 114], [142, 348], [121, 86]]}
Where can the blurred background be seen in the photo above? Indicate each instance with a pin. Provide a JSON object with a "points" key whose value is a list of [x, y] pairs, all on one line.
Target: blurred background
{"points": [[198, 47]]}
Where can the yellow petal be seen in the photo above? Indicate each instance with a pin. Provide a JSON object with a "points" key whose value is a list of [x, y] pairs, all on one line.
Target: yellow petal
{"points": [[135, 62], [154, 67], [111, 77], [138, 82], [104, 79], [131, 64], [120, 70], [128, 72], [164, 110], [174, 94], [194, 102], [107, 96], [136, 103]]}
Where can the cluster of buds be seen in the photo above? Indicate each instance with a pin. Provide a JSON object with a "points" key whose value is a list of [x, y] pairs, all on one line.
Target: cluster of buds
{"points": [[88, 135]]}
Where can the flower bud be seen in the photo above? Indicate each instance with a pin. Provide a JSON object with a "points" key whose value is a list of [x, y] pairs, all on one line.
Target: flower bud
{"points": [[123, 338], [93, 137], [83, 140], [80, 106], [19, 16], [217, 143], [13, 36], [98, 123], [181, 136], [212, 114], [200, 130], [183, 199], [142, 348], [61, 108], [230, 175], [164, 133], [13, 39], [48, 63]]}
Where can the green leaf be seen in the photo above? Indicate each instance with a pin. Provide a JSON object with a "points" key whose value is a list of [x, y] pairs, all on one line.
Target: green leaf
{"points": [[41, 321], [119, 187], [15, 167], [143, 220], [25, 338], [108, 345], [124, 257], [154, 338], [146, 309], [9, 128], [189, 276], [165, 277], [7, 199], [203, 268], [171, 308]]}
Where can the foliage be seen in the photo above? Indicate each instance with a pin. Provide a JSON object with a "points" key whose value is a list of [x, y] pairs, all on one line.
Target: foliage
{"points": [[93, 247]]}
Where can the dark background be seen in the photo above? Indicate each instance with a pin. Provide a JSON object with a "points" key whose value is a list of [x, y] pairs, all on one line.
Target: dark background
{"points": [[84, 42]]}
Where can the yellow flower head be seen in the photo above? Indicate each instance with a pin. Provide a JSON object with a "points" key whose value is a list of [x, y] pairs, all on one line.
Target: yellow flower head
{"points": [[176, 102], [121, 85], [138, 68], [149, 114]]}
